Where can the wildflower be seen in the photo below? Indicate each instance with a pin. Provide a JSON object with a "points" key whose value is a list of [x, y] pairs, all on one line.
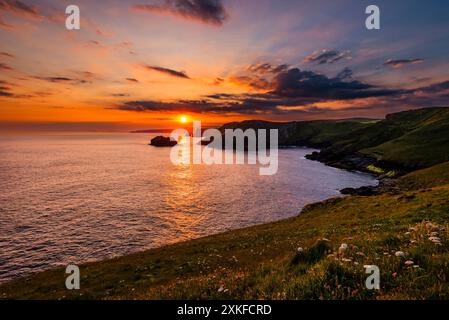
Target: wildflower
{"points": [[409, 262], [399, 254], [343, 248], [300, 249]]}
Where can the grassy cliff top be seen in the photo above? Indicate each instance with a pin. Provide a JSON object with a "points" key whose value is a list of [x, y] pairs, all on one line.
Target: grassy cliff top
{"points": [[412, 139]]}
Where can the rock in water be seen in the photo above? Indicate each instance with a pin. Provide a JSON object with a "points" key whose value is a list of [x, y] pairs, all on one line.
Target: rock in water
{"points": [[161, 141]]}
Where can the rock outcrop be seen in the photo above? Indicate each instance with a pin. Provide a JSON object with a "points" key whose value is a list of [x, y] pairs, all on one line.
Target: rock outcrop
{"points": [[161, 141]]}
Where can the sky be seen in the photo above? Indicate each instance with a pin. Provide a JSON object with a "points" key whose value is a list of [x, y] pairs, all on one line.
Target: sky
{"points": [[141, 64]]}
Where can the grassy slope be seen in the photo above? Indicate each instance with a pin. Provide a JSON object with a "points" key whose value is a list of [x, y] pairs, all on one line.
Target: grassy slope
{"points": [[262, 261], [426, 144], [413, 139]]}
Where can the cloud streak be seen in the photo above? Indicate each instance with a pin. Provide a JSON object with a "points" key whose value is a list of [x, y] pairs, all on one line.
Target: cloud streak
{"points": [[327, 56], [19, 8], [4, 66], [6, 54], [206, 11], [401, 62], [169, 72]]}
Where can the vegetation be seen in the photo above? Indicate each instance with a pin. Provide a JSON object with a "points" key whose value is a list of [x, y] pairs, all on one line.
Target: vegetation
{"points": [[409, 140]]}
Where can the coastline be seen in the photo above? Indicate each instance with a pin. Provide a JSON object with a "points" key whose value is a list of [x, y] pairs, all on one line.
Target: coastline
{"points": [[246, 263], [36, 272]]}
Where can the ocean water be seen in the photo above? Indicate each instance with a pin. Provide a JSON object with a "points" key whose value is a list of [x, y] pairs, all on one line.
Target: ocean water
{"points": [[73, 198]]}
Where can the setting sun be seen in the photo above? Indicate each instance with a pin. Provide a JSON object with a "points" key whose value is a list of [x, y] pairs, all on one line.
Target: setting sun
{"points": [[183, 119]]}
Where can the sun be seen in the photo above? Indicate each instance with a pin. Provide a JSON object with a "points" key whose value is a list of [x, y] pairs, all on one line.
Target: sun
{"points": [[183, 119]]}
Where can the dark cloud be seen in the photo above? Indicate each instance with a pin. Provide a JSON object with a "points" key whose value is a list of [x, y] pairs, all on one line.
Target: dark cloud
{"points": [[132, 80], [325, 56], [170, 72], [206, 11], [67, 80], [435, 88], [295, 83], [4, 93], [264, 68], [344, 74], [223, 104], [19, 8], [5, 90], [4, 66], [55, 79], [120, 95], [401, 63]]}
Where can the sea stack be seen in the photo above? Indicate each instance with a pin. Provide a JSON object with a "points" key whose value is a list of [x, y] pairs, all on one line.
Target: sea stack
{"points": [[161, 141]]}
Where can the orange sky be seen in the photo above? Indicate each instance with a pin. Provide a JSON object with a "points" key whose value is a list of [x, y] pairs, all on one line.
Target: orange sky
{"points": [[136, 67]]}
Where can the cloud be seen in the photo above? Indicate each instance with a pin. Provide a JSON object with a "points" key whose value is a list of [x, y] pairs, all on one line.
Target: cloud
{"points": [[132, 80], [120, 95], [327, 56], [307, 84], [401, 62], [265, 68], [233, 105], [4, 66], [256, 83], [6, 54], [344, 74], [170, 72], [19, 8], [55, 79], [289, 91], [67, 80], [435, 88], [207, 11], [198, 106], [5, 90]]}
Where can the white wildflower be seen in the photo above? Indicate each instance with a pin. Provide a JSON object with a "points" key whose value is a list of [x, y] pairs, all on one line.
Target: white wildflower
{"points": [[399, 254]]}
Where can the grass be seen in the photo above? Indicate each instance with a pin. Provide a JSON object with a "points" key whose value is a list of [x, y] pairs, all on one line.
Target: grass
{"points": [[412, 140], [265, 262]]}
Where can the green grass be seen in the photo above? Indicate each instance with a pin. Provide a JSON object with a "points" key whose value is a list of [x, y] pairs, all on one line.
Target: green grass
{"points": [[263, 262], [374, 169], [424, 144], [413, 139]]}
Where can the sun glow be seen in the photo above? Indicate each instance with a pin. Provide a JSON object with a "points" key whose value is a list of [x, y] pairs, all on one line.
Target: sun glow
{"points": [[183, 119]]}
